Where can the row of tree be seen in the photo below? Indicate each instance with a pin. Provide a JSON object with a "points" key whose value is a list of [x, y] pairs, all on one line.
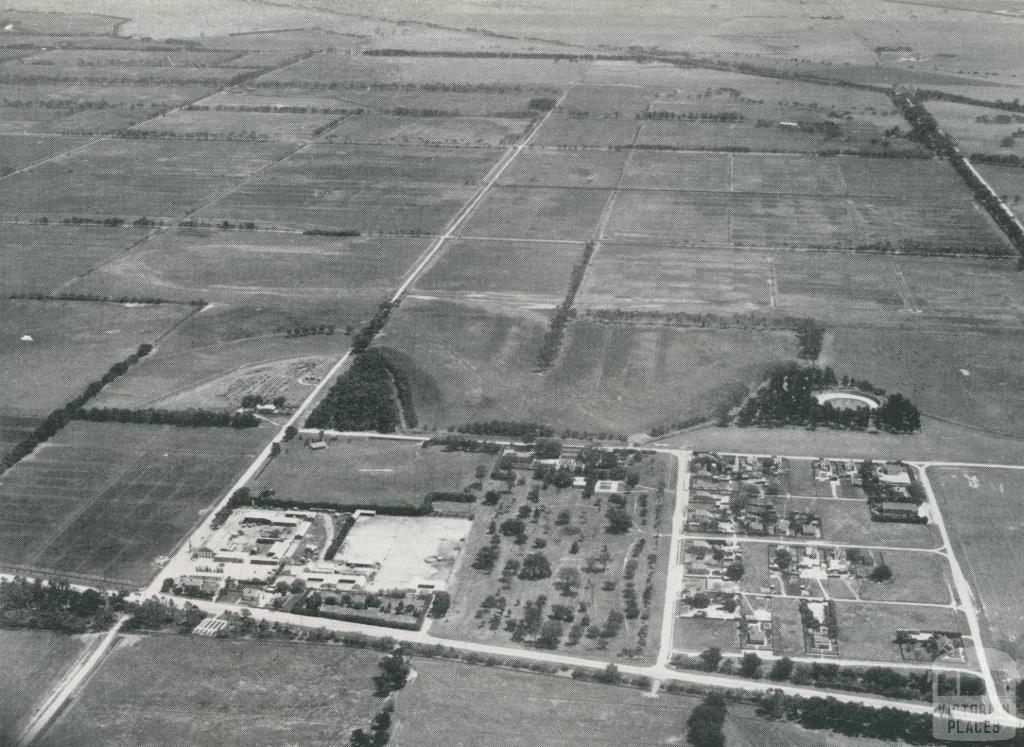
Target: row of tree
{"points": [[57, 419], [378, 86], [190, 418], [518, 430], [552, 342], [92, 297]]}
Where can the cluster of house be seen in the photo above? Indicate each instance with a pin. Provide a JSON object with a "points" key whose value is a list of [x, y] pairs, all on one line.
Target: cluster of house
{"points": [[811, 562], [709, 559], [816, 634], [729, 467], [891, 496], [712, 604]]}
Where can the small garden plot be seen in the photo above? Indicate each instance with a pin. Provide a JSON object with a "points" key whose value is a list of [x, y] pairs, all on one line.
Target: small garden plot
{"points": [[698, 634], [435, 131], [870, 631], [366, 473], [787, 627], [526, 272], [554, 567], [42, 337], [556, 168], [538, 213]]}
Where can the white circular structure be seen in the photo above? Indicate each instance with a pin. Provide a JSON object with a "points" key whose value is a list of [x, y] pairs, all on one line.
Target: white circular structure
{"points": [[847, 400]]}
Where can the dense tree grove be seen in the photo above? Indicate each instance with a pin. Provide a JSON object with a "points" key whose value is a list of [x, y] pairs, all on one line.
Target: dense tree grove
{"points": [[809, 336], [788, 399], [363, 398], [54, 605], [522, 431], [57, 419], [552, 343]]}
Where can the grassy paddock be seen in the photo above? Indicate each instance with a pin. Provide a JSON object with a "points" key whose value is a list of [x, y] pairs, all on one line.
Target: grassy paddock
{"points": [[867, 631], [33, 661], [982, 509], [183, 689], [360, 472]]}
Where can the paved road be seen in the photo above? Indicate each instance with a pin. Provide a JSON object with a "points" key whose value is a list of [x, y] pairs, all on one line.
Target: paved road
{"points": [[71, 681], [674, 578]]}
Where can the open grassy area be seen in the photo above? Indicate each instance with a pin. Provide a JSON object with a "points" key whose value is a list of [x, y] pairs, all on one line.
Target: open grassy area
{"points": [[101, 501], [92, 335], [868, 631], [916, 577], [982, 510], [33, 661], [570, 531], [406, 130], [256, 268], [698, 634], [849, 522], [468, 365], [19, 151], [538, 213], [183, 689], [461, 704], [363, 472], [227, 351]]}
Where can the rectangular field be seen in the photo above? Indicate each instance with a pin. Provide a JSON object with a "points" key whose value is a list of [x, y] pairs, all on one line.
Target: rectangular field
{"points": [[529, 709], [101, 501], [471, 365], [533, 271], [364, 472], [368, 188], [538, 213], [695, 634], [260, 268], [131, 178], [478, 132], [236, 692], [982, 509], [536, 167], [19, 151], [278, 126], [70, 343]]}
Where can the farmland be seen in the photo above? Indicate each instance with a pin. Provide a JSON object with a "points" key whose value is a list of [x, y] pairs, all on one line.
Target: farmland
{"points": [[235, 693], [591, 571], [33, 661], [94, 335], [528, 709], [982, 507], [355, 473], [102, 502], [469, 365]]}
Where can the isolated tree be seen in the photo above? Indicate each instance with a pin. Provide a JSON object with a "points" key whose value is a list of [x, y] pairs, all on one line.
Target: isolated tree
{"points": [[394, 672], [704, 725], [711, 658], [750, 665], [781, 669], [735, 571], [881, 572], [535, 566]]}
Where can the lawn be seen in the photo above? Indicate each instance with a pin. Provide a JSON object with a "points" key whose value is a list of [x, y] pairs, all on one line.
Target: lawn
{"points": [[101, 501], [472, 705], [364, 472], [33, 662], [601, 581], [72, 344], [171, 689], [469, 365], [982, 508], [868, 631], [261, 268]]}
